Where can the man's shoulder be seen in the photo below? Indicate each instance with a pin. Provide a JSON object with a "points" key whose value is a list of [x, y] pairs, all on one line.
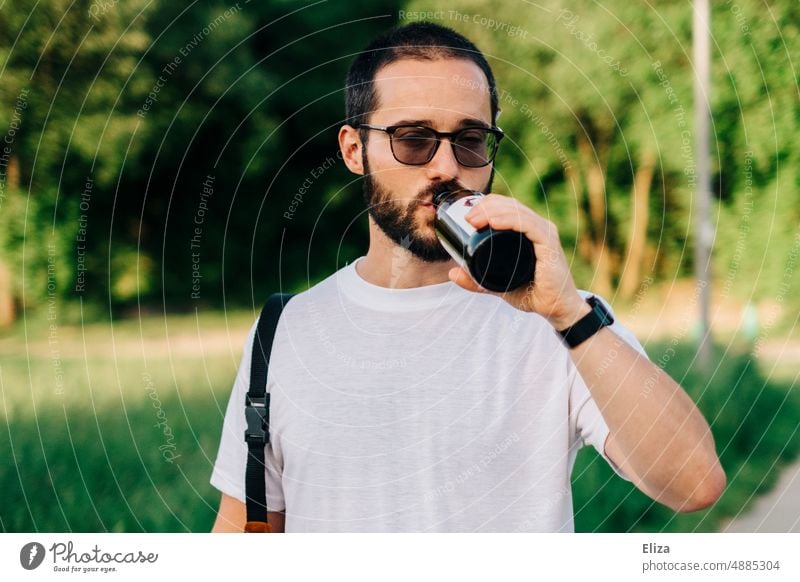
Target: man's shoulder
{"points": [[312, 297]]}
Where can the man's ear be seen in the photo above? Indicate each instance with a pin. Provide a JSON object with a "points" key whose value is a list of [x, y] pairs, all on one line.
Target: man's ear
{"points": [[351, 147]]}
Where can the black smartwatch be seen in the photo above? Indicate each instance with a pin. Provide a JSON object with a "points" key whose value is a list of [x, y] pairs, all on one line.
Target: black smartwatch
{"points": [[588, 325]]}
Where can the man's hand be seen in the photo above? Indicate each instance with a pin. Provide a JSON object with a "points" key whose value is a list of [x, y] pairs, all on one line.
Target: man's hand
{"points": [[553, 294]]}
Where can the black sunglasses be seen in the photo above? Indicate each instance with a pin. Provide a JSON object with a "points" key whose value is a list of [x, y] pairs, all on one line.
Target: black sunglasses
{"points": [[415, 145]]}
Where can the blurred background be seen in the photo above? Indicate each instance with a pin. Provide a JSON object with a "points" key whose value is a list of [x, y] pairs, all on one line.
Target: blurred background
{"points": [[165, 166]]}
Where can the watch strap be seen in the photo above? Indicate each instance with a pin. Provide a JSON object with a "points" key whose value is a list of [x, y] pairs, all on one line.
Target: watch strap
{"points": [[598, 318]]}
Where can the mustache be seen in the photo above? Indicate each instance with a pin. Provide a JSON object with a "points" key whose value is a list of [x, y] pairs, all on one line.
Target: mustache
{"points": [[431, 191]]}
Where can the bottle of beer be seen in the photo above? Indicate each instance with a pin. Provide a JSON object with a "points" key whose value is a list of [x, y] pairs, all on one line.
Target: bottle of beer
{"points": [[498, 260]]}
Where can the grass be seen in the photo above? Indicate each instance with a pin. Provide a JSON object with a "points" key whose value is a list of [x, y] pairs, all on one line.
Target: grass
{"points": [[91, 454], [127, 441]]}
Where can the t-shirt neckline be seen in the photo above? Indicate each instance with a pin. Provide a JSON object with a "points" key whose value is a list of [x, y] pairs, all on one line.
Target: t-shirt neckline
{"points": [[380, 298]]}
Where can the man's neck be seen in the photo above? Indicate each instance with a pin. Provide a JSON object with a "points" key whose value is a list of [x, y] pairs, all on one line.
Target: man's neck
{"points": [[390, 265]]}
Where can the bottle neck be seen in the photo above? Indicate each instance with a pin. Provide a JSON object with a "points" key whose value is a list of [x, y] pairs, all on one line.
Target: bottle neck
{"points": [[452, 195]]}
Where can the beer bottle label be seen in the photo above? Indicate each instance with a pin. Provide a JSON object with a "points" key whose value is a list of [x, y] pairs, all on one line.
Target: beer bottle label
{"points": [[459, 208]]}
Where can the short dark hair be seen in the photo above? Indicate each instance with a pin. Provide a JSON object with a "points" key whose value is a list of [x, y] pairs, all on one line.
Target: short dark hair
{"points": [[419, 40]]}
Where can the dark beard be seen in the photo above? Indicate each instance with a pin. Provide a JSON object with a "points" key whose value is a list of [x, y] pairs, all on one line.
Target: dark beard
{"points": [[399, 224]]}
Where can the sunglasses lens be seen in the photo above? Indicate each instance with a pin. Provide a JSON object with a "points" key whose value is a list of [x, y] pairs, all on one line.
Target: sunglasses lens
{"points": [[413, 145], [475, 147]]}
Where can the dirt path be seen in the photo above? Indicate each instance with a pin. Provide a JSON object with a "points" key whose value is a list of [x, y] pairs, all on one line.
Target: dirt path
{"points": [[776, 512]]}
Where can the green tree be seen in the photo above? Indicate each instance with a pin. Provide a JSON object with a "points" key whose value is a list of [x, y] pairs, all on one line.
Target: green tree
{"points": [[130, 107], [255, 102], [63, 67]]}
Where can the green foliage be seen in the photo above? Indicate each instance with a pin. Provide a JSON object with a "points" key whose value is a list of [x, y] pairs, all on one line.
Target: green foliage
{"points": [[36, 241], [255, 102], [63, 92], [72, 68], [148, 99]]}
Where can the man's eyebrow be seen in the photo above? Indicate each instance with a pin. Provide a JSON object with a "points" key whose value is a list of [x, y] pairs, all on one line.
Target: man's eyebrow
{"points": [[472, 122], [425, 122], [466, 122]]}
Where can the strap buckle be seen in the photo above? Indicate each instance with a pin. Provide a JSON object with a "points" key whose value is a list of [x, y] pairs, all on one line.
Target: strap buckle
{"points": [[256, 412]]}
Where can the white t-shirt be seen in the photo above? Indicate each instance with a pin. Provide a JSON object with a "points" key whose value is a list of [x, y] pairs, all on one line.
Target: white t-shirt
{"points": [[432, 409]]}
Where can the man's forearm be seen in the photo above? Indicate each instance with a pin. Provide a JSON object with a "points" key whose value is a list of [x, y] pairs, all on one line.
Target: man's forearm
{"points": [[658, 437]]}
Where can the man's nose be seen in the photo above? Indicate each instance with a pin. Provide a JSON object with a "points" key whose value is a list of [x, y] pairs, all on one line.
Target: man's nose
{"points": [[444, 165]]}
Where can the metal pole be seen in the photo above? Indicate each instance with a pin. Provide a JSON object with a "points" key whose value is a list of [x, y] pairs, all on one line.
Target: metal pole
{"points": [[704, 231]]}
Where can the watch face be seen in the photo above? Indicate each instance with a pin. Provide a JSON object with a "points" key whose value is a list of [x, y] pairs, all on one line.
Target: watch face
{"points": [[600, 310]]}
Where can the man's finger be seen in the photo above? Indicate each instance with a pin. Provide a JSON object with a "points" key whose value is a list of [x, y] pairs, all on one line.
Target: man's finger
{"points": [[461, 278], [511, 215]]}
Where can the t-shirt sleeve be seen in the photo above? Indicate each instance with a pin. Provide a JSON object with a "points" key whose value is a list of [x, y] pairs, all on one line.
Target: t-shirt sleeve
{"points": [[229, 468], [586, 421]]}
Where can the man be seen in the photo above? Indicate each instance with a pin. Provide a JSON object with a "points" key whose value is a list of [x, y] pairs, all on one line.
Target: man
{"points": [[407, 398]]}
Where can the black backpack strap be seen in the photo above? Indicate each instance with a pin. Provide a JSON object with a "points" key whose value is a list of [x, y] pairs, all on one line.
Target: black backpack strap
{"points": [[256, 411]]}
